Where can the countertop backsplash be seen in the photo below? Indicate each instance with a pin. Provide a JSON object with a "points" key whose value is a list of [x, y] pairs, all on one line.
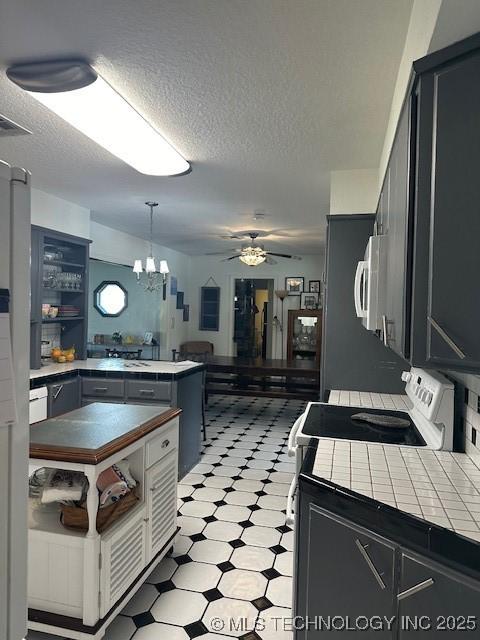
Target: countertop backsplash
{"points": [[470, 405]]}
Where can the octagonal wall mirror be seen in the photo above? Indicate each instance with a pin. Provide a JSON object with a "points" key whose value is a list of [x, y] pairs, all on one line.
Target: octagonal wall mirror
{"points": [[110, 299]]}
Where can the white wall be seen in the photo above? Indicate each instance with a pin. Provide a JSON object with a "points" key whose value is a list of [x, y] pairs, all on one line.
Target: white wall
{"points": [[58, 214], [224, 273], [353, 191], [115, 246], [422, 24]]}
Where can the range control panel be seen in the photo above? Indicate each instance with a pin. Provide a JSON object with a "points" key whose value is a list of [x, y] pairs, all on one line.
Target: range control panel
{"points": [[430, 392]]}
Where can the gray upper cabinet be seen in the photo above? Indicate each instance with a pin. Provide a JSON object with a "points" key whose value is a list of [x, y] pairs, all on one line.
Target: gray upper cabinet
{"points": [[432, 601], [446, 301], [429, 209], [395, 224]]}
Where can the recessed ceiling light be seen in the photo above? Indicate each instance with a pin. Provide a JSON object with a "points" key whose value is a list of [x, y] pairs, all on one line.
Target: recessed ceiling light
{"points": [[76, 93]]}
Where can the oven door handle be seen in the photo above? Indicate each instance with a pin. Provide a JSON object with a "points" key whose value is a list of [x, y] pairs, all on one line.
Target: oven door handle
{"points": [[290, 518], [292, 445]]}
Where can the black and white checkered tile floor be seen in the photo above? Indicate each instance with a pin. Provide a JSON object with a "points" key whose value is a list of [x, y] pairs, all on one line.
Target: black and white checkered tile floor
{"points": [[231, 570]]}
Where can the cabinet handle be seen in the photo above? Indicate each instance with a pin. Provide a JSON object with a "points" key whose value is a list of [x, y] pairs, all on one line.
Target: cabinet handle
{"points": [[100, 388], [413, 590], [146, 519], [363, 550], [165, 444], [386, 322], [443, 334], [58, 391], [149, 391]]}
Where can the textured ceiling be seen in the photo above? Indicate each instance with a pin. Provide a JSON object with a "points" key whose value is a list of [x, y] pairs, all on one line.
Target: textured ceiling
{"points": [[264, 97]]}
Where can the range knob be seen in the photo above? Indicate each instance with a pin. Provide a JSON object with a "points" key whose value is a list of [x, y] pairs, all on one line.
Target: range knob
{"points": [[406, 376]]}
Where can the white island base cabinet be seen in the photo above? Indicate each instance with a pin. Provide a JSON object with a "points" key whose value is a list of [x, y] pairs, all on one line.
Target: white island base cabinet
{"points": [[79, 582]]}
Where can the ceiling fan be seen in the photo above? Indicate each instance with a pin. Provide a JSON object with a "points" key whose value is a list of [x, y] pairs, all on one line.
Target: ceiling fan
{"points": [[254, 253]]}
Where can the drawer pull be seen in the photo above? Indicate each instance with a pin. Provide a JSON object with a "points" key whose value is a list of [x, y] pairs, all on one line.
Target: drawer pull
{"points": [[363, 550], [413, 590], [149, 391], [58, 391], [165, 444], [100, 388], [146, 519]]}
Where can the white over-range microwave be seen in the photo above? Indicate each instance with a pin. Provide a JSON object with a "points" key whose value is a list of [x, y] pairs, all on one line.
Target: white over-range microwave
{"points": [[369, 288]]}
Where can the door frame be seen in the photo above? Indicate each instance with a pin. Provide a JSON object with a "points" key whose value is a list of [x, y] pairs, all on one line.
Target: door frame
{"points": [[276, 309]]}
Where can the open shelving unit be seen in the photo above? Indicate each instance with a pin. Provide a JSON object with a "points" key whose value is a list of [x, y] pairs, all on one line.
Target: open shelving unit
{"points": [[59, 276]]}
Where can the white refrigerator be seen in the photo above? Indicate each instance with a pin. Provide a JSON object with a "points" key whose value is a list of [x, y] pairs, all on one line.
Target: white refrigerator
{"points": [[14, 277]]}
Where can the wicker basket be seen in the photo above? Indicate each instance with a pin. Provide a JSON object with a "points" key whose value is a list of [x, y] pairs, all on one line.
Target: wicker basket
{"points": [[77, 517]]}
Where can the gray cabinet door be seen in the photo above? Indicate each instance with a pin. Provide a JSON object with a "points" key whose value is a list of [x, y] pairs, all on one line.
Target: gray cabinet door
{"points": [[432, 602], [383, 211], [453, 313], [343, 571], [396, 228], [63, 397]]}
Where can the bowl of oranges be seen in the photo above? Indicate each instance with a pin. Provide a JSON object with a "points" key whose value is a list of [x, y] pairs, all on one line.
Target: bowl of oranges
{"points": [[63, 355]]}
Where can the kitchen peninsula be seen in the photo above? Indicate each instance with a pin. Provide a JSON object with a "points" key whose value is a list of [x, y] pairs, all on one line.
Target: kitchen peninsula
{"points": [[152, 383], [85, 575]]}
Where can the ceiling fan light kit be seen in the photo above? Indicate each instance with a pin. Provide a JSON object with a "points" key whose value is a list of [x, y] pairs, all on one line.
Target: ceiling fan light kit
{"points": [[253, 256], [74, 91]]}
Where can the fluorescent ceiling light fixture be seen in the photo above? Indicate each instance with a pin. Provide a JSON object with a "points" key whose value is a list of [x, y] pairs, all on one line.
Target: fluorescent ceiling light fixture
{"points": [[76, 93]]}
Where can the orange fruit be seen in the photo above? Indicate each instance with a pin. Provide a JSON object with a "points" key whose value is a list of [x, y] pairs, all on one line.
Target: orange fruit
{"points": [[56, 352]]}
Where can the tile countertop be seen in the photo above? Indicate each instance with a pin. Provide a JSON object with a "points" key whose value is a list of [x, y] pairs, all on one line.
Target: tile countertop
{"points": [[436, 486], [369, 399], [115, 364], [439, 487]]}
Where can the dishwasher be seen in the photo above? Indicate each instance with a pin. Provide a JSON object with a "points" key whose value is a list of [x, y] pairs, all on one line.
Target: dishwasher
{"points": [[38, 405]]}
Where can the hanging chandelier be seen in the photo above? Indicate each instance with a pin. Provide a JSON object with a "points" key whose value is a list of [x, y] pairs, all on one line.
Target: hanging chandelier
{"points": [[152, 280], [253, 256]]}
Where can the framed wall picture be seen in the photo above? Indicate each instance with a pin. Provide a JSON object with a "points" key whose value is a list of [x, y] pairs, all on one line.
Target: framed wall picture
{"points": [[294, 285], [186, 312], [180, 295], [309, 300], [173, 285], [209, 309], [314, 286]]}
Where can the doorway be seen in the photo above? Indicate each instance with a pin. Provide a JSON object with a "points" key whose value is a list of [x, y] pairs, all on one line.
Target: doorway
{"points": [[253, 314]]}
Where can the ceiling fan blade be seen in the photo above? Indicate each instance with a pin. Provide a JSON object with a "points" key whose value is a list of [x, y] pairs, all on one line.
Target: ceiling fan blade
{"points": [[231, 258], [217, 253], [279, 255], [269, 260], [221, 253]]}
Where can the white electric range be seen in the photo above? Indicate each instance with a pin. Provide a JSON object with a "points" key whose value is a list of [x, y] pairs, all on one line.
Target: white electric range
{"points": [[429, 422]]}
